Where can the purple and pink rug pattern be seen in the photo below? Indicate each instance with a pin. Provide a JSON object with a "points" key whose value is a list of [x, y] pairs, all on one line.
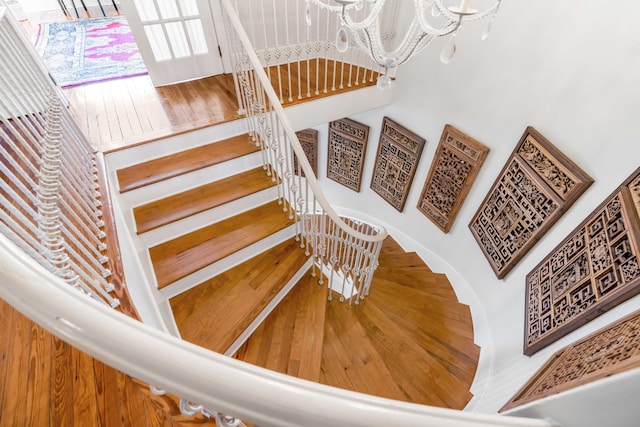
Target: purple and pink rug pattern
{"points": [[89, 50]]}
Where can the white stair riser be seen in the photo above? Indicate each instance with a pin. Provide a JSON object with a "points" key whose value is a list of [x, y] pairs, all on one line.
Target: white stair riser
{"points": [[187, 181], [162, 147], [194, 222], [224, 264]]}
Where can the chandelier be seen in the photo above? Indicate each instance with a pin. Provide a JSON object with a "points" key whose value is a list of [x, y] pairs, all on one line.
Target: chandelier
{"points": [[363, 19]]}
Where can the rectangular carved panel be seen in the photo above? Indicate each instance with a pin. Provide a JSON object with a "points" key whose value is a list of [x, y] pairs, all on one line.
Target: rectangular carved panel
{"points": [[455, 166], [309, 140], [535, 187], [592, 270], [611, 350], [347, 149], [397, 159]]}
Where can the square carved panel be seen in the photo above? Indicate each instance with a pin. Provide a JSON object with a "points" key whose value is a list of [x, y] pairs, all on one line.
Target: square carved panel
{"points": [[399, 151], [591, 271], [535, 187], [454, 168], [347, 149], [309, 140], [608, 351]]}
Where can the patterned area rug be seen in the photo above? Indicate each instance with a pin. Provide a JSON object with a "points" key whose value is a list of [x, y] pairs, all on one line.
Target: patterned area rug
{"points": [[89, 50]]}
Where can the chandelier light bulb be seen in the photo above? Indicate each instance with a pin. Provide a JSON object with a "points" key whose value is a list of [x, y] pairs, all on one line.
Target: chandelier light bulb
{"points": [[384, 82]]}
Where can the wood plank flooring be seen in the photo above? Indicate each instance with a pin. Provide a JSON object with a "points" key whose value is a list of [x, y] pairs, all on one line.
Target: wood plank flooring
{"points": [[125, 112], [46, 382]]}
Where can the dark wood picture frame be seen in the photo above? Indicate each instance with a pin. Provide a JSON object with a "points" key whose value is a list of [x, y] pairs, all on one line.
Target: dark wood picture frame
{"points": [[347, 149], [309, 141], [453, 170], [592, 270], [608, 351], [397, 158], [535, 187]]}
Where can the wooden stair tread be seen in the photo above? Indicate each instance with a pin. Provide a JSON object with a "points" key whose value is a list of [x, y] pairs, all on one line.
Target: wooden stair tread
{"points": [[448, 315], [417, 278], [446, 308], [178, 206], [411, 364], [396, 260], [188, 253], [458, 355], [349, 361], [175, 164], [290, 340], [390, 246], [215, 313]]}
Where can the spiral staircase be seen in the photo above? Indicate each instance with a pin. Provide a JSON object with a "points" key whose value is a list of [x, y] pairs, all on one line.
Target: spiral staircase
{"points": [[239, 283]]}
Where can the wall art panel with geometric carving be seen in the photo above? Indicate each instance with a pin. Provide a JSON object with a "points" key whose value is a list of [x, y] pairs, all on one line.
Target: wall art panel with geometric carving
{"points": [[347, 149], [455, 166], [309, 141], [591, 271], [535, 187], [608, 351], [397, 158]]}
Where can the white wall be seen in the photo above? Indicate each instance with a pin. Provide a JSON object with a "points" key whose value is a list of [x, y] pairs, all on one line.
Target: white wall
{"points": [[570, 70]]}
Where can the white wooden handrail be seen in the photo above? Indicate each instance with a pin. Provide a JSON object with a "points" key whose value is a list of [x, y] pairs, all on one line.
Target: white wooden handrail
{"points": [[260, 396]]}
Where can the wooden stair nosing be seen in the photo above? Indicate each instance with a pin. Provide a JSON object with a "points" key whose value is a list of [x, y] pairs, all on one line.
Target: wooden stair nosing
{"points": [[452, 309], [236, 297], [162, 168], [193, 201], [186, 254]]}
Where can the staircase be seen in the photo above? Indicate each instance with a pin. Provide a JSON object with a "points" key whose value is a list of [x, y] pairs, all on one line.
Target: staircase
{"points": [[238, 283]]}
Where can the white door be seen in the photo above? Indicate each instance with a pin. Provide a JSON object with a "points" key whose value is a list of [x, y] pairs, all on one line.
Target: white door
{"points": [[176, 38]]}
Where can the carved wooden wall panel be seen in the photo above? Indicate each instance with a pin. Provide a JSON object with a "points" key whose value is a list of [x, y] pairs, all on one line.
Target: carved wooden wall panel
{"points": [[592, 270], [398, 154], [611, 350], [309, 140], [347, 149], [536, 186], [455, 166]]}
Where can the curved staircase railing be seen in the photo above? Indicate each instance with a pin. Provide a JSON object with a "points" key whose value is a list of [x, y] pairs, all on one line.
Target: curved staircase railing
{"points": [[350, 248], [49, 175]]}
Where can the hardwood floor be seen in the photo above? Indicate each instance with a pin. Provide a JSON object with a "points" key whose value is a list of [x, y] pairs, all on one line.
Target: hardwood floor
{"points": [[122, 113], [125, 112], [46, 382]]}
